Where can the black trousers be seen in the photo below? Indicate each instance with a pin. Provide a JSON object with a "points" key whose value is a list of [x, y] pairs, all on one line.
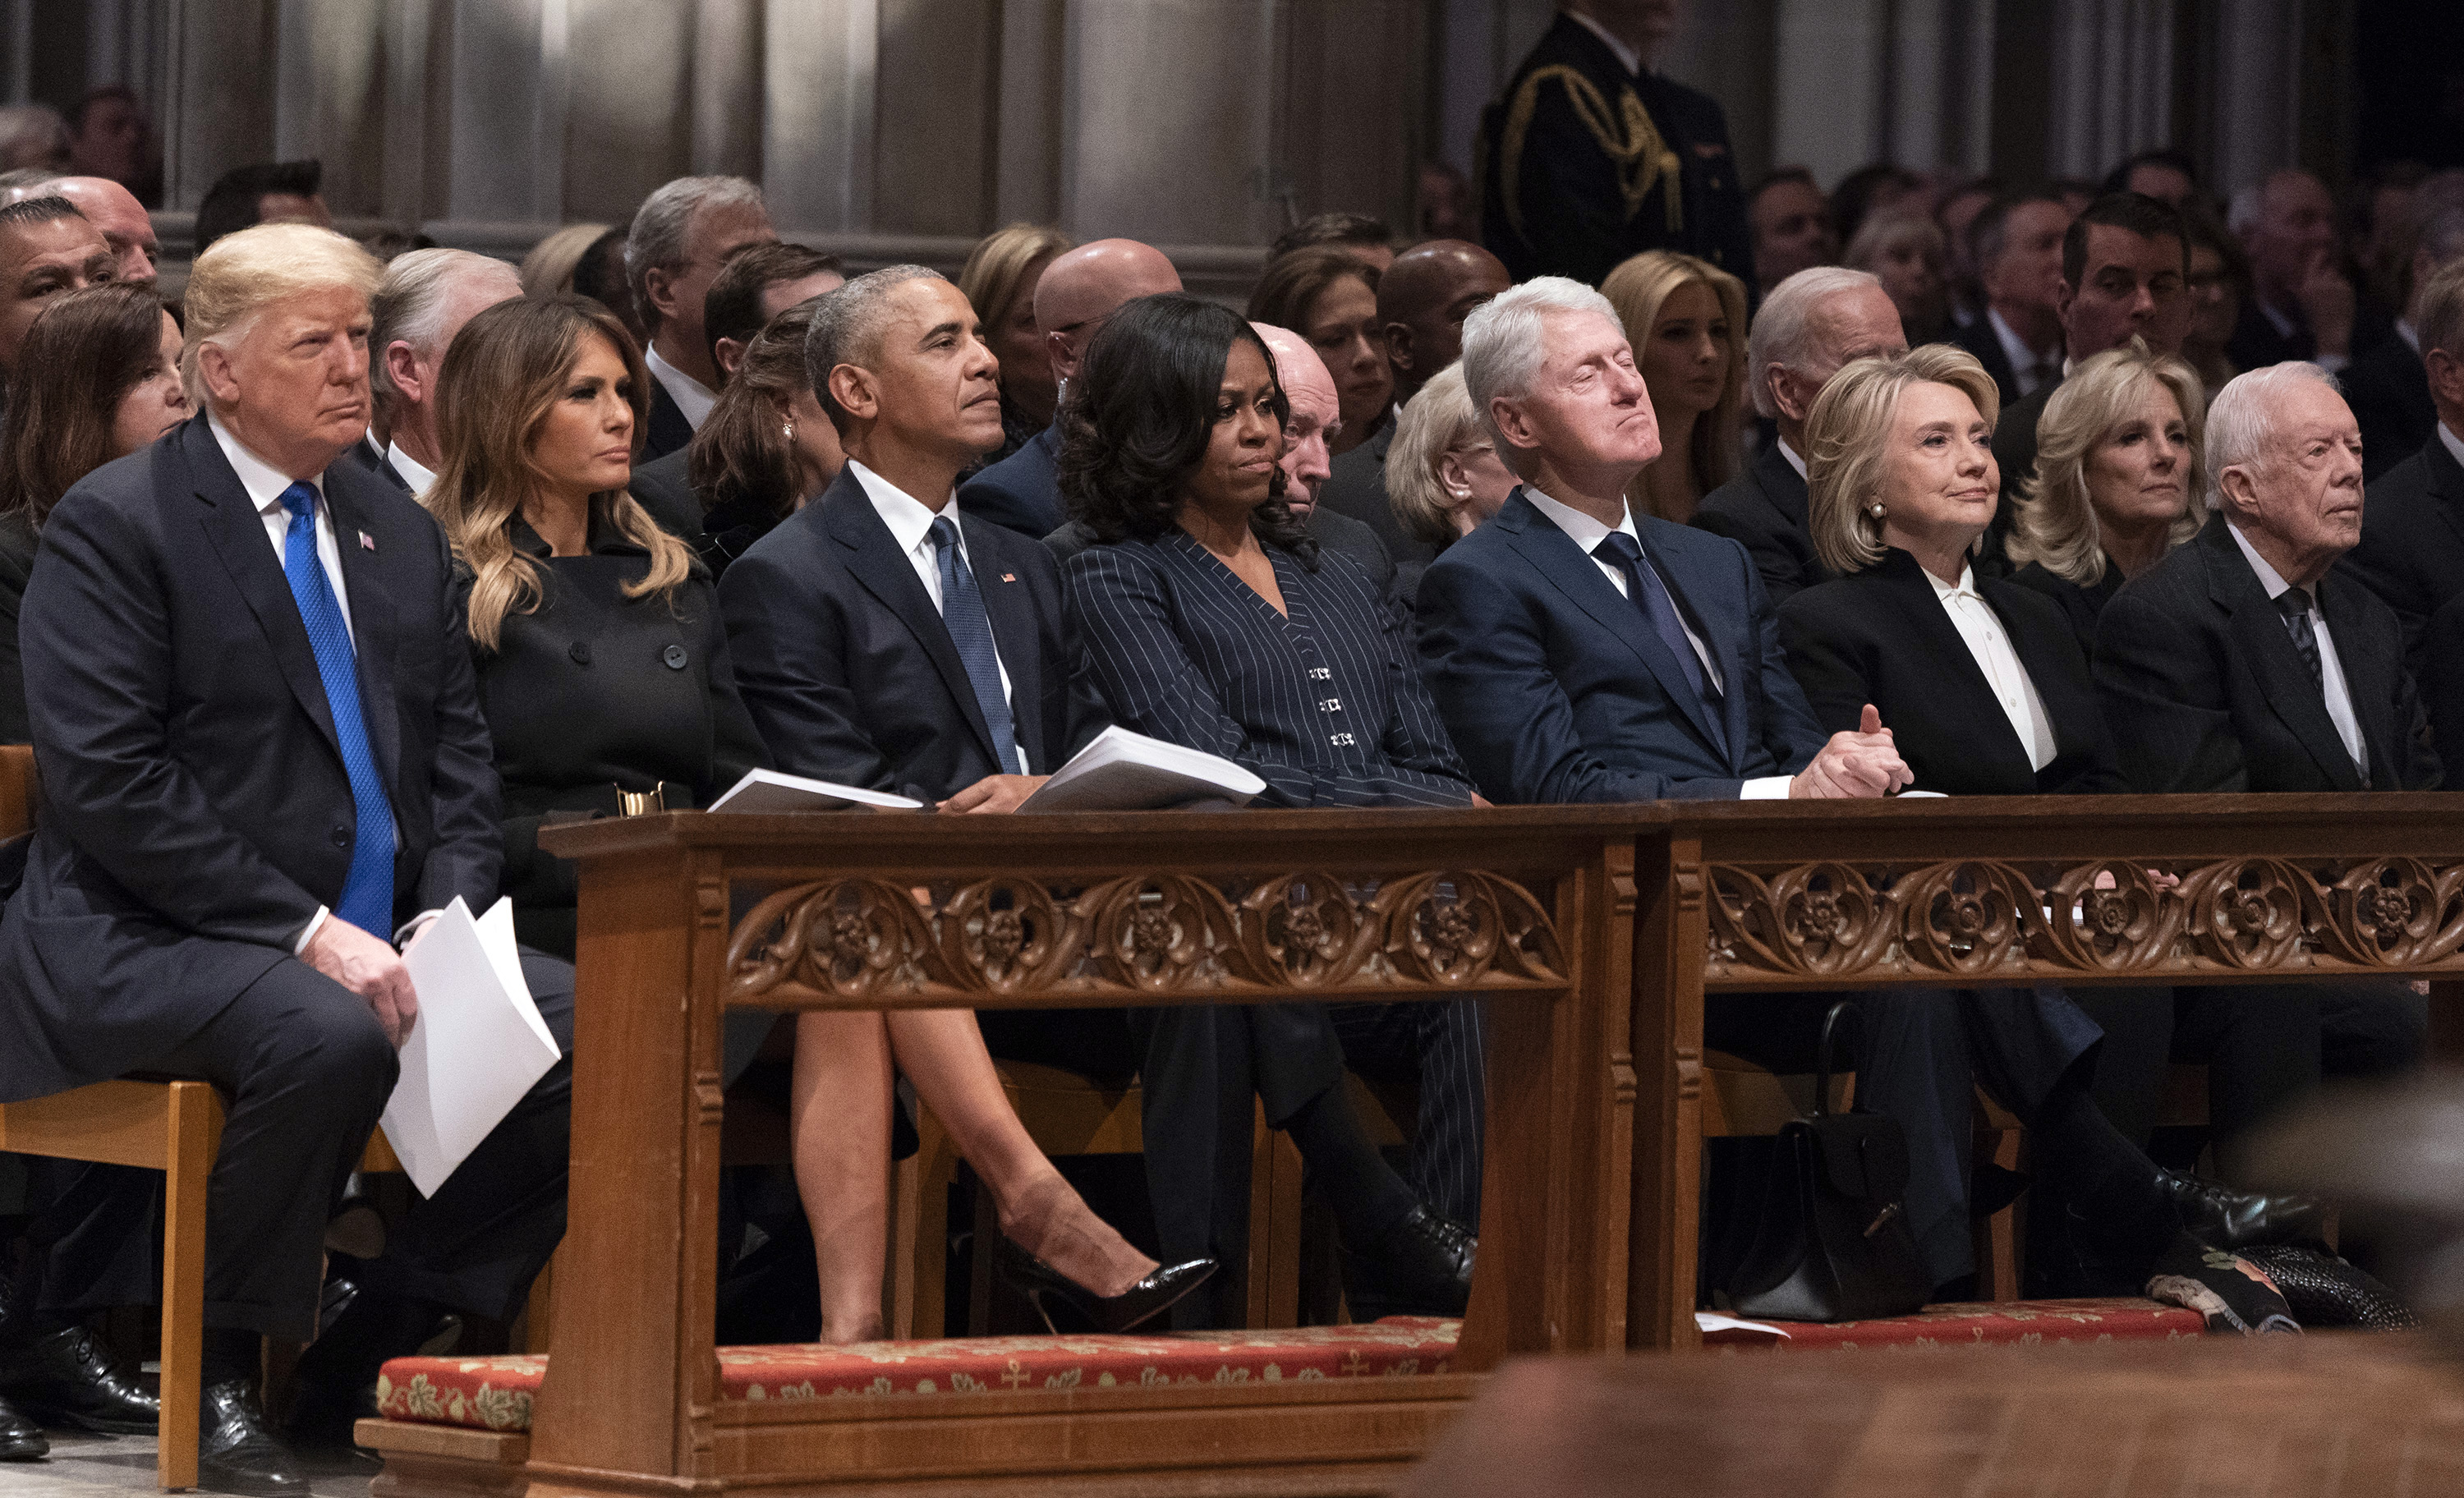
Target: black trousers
{"points": [[1443, 1048], [304, 1071]]}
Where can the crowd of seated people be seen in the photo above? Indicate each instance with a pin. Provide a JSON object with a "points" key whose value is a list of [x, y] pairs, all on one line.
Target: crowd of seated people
{"points": [[323, 593]]}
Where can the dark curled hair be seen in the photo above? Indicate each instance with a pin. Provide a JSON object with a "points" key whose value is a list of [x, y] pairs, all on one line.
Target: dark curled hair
{"points": [[1139, 415]]}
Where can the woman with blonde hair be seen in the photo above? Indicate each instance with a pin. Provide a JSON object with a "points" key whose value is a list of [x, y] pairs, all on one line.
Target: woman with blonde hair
{"points": [[998, 281], [1686, 320], [2117, 482], [1443, 473], [547, 270]]}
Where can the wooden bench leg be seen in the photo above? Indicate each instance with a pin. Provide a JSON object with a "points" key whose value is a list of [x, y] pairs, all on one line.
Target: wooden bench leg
{"points": [[189, 1148]]}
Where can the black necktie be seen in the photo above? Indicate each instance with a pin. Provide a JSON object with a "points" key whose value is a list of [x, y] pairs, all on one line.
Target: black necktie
{"points": [[1643, 587]]}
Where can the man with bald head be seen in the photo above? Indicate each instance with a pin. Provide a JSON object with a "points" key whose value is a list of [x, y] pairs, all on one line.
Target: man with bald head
{"points": [[127, 227], [1077, 293], [424, 300], [1422, 300]]}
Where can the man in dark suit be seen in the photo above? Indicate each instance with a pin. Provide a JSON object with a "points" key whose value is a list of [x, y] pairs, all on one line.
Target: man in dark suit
{"points": [[263, 759], [1076, 292], [1811, 327], [1591, 156], [423, 301], [2388, 387], [1422, 300], [681, 236], [2016, 243], [2411, 552], [2300, 305]]}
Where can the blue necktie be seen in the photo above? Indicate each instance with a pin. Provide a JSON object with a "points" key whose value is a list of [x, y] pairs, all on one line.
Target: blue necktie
{"points": [[367, 891], [1644, 588], [970, 630]]}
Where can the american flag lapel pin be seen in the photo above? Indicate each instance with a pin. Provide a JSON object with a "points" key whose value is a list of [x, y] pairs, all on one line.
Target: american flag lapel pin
{"points": [[367, 542], [1009, 577]]}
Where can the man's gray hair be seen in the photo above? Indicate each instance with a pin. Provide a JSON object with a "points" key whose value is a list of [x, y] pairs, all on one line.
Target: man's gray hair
{"points": [[662, 233], [847, 329], [2241, 420], [2442, 310], [1783, 330], [410, 303], [1503, 346]]}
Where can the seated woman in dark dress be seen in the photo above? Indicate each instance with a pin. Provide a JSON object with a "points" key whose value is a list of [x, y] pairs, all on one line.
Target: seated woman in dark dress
{"points": [[602, 668], [1987, 694], [1211, 619], [766, 447], [2117, 482], [98, 378]]}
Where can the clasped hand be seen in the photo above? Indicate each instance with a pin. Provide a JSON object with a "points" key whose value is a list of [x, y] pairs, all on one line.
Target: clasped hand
{"points": [[369, 967], [1862, 763]]}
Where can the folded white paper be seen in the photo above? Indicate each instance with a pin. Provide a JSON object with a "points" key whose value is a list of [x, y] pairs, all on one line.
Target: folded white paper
{"points": [[771, 790], [1122, 771], [1713, 1321], [478, 1046]]}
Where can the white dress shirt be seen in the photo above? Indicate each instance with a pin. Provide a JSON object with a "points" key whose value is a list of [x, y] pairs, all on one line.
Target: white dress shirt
{"points": [[1789, 453], [911, 525], [2027, 366], [1981, 627], [691, 397], [417, 474], [2331, 671], [2286, 326], [1587, 533], [2454, 444]]}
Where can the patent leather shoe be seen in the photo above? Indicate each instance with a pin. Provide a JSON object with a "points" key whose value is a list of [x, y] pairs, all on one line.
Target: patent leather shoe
{"points": [[1139, 1304], [237, 1451], [21, 1439], [67, 1379], [2222, 1218], [1428, 1258]]}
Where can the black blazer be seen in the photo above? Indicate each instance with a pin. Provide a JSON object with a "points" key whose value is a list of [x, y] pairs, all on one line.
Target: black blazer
{"points": [[16, 563], [2205, 692], [2014, 453], [369, 456], [1556, 690], [664, 487], [2442, 686], [849, 670], [1357, 490], [1020, 492], [2388, 390], [1762, 510], [1883, 636], [2412, 550], [668, 430], [1979, 338], [591, 690], [2080, 607], [1323, 702], [195, 808], [1570, 214]]}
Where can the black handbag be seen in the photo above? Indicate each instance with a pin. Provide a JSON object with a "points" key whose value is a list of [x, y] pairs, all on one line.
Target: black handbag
{"points": [[1832, 1240]]}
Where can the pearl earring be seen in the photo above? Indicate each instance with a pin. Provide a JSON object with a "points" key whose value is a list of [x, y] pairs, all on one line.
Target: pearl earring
{"points": [[788, 431], [1462, 493], [1877, 508]]}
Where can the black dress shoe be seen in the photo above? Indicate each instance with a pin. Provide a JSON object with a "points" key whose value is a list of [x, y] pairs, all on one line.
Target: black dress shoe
{"points": [[237, 1452], [1427, 1259], [2222, 1218], [21, 1439], [1142, 1302], [66, 1378]]}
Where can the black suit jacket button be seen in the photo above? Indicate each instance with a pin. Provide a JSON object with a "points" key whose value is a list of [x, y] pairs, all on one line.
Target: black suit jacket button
{"points": [[581, 653], [675, 656], [342, 837]]}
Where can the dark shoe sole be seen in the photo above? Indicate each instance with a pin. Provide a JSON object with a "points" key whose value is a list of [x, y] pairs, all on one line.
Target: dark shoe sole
{"points": [[213, 1480], [35, 1451], [59, 1419]]}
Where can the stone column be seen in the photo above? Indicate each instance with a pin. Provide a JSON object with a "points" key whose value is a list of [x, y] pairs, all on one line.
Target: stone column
{"points": [[1167, 131]]}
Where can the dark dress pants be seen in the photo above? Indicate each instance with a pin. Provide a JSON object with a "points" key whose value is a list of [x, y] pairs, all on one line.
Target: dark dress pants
{"points": [[1440, 1046], [304, 1071]]}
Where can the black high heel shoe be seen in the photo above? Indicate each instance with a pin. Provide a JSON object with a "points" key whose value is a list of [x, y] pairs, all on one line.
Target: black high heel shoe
{"points": [[1142, 1302]]}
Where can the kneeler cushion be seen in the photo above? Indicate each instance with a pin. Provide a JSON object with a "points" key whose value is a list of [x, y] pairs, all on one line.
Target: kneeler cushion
{"points": [[1979, 1323], [495, 1393]]}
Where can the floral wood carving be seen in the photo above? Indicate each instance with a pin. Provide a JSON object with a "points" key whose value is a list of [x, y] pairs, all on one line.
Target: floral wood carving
{"points": [[1983, 920]]}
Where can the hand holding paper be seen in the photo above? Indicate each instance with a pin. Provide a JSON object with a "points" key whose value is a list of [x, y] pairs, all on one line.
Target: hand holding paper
{"points": [[478, 1046]]}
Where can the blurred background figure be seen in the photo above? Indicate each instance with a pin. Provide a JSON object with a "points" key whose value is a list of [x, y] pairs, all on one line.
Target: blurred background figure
{"points": [[1905, 251], [1873, 190], [998, 281], [1327, 293], [2219, 284], [2164, 174], [2301, 304], [1447, 208], [547, 270], [1364, 238], [111, 138], [2018, 244], [263, 192], [600, 276], [33, 135], [1791, 227], [1953, 215], [1685, 320]]}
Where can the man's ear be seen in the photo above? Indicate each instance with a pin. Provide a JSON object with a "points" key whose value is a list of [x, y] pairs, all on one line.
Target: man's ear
{"points": [[658, 289], [1512, 424], [2446, 375], [1056, 352], [402, 371], [1783, 389], [2064, 293], [728, 354], [2238, 490], [214, 369], [851, 386], [1398, 348]]}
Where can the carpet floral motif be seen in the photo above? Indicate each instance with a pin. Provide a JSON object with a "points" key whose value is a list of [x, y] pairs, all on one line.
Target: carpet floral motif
{"points": [[1980, 1323]]}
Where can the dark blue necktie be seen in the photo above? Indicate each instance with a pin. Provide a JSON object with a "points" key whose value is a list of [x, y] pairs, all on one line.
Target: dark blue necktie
{"points": [[367, 891], [1643, 587], [970, 630]]}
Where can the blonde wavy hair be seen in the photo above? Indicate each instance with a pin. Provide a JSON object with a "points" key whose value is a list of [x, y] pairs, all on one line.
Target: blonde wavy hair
{"points": [[1638, 288], [242, 274], [1847, 435], [2055, 522], [997, 267], [1436, 421], [504, 369]]}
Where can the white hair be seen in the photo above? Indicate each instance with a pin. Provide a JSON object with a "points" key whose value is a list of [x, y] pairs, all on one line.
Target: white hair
{"points": [[2241, 420], [662, 233], [1783, 330], [410, 303], [1504, 341]]}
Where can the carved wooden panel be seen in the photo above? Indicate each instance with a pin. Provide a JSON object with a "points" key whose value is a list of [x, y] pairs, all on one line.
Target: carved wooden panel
{"points": [[1300, 934], [1979, 920]]}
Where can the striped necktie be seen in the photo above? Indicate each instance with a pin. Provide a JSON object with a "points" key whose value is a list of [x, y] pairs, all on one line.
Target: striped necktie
{"points": [[970, 630]]}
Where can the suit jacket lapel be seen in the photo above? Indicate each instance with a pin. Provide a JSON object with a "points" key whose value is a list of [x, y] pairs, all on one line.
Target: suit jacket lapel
{"points": [[238, 533], [1016, 635], [2369, 676], [1777, 478], [2259, 630], [886, 573], [1578, 577], [1953, 663], [2446, 484], [1723, 646], [372, 616]]}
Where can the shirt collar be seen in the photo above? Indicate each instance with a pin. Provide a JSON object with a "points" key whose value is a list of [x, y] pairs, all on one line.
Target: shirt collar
{"points": [[262, 480], [1627, 57], [1966, 588], [1582, 529], [2270, 581], [909, 519], [2411, 336], [604, 540], [2454, 444], [1794, 461], [693, 398], [417, 474], [2281, 321], [2015, 348]]}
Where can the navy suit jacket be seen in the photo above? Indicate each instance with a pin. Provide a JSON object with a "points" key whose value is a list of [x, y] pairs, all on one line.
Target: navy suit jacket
{"points": [[1555, 689], [668, 429], [850, 673], [1019, 493]]}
